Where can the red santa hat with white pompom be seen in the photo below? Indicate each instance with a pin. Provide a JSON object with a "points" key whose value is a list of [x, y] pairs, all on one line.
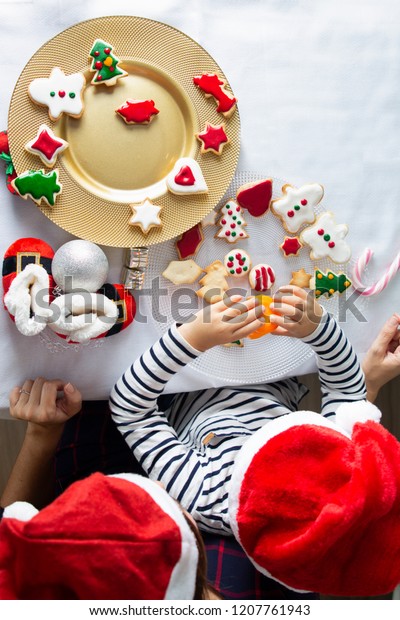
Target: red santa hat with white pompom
{"points": [[316, 504], [106, 537]]}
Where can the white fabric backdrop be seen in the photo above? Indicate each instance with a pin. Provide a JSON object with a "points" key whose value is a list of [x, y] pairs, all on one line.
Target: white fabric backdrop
{"points": [[319, 97]]}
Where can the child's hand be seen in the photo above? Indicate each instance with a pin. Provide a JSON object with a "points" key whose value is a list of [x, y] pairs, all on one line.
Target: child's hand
{"points": [[382, 360], [223, 322], [295, 311]]}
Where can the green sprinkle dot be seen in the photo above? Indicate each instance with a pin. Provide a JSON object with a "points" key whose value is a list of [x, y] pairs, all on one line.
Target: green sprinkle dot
{"points": [[244, 259], [245, 268], [230, 257], [239, 223], [297, 208], [234, 217], [52, 94], [327, 237], [71, 95], [232, 271], [233, 234]]}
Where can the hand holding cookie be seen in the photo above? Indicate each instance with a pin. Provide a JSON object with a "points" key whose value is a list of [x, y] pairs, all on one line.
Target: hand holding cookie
{"points": [[226, 321], [295, 312]]}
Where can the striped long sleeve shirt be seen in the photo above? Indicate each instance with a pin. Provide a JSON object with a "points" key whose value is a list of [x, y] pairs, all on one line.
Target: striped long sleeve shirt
{"points": [[191, 446]]}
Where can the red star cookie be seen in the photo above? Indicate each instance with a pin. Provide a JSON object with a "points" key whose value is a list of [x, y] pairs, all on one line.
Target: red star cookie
{"points": [[291, 246], [213, 138], [46, 145]]}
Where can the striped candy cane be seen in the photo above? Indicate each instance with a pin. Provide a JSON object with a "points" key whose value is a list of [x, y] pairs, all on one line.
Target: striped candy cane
{"points": [[382, 283]]}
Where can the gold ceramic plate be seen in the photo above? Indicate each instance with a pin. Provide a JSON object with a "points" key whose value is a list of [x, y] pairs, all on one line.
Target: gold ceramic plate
{"points": [[110, 164]]}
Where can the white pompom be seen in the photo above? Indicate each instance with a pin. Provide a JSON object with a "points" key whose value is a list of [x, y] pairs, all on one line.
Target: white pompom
{"points": [[23, 511], [348, 414]]}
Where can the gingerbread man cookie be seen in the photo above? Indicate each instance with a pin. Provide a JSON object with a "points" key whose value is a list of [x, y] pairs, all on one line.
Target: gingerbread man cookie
{"points": [[214, 283], [61, 93], [296, 207], [326, 238]]}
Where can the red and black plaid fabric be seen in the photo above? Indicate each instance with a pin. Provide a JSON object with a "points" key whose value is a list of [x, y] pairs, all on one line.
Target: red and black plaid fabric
{"points": [[91, 442]]}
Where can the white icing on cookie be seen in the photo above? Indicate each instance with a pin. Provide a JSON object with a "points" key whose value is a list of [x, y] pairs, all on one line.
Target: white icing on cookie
{"points": [[296, 207], [237, 263], [59, 92], [232, 223], [327, 239], [145, 215], [186, 177], [261, 277], [46, 145]]}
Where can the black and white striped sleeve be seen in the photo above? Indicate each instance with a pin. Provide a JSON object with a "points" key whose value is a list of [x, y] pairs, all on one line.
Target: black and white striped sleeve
{"points": [[340, 374], [153, 441]]}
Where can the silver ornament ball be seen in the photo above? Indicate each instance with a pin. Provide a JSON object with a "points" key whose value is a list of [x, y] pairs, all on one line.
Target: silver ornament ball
{"points": [[80, 264]]}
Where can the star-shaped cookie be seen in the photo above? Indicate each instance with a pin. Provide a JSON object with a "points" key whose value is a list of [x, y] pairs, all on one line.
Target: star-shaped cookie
{"points": [[213, 138], [145, 215]]}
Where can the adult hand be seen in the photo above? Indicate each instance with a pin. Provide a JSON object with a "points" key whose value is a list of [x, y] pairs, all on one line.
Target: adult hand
{"points": [[295, 311], [228, 320], [39, 403], [382, 360]]}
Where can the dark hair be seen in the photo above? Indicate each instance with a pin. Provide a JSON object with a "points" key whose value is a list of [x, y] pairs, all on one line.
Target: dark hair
{"points": [[202, 588]]}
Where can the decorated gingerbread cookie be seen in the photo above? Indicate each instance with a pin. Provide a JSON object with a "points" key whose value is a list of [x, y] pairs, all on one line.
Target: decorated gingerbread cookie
{"points": [[146, 216], [189, 242], [46, 145], [329, 283], [60, 93], [186, 178], [232, 223], [301, 278], [213, 138], [182, 271], [255, 197], [213, 86], [105, 64], [137, 111], [38, 185], [297, 205], [262, 277], [213, 284], [291, 246], [326, 239], [237, 263]]}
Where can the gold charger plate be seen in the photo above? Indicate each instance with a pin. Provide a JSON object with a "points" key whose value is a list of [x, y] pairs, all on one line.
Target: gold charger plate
{"points": [[110, 164]]}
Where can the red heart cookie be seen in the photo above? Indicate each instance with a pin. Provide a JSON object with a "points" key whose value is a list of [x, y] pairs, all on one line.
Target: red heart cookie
{"points": [[255, 197]]}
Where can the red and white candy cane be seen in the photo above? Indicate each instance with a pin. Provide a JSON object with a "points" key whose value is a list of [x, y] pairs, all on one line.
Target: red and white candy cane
{"points": [[382, 283]]}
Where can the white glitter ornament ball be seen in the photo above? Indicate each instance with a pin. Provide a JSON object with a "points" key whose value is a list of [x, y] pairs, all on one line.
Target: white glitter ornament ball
{"points": [[80, 264]]}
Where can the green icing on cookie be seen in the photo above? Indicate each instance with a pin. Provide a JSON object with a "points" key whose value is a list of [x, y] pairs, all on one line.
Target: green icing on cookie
{"points": [[38, 185]]}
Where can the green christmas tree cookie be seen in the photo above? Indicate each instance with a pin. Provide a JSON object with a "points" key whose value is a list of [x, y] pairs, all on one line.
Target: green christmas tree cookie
{"points": [[38, 186], [329, 283], [105, 64]]}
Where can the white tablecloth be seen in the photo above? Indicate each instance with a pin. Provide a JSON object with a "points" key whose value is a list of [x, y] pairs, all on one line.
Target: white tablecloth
{"points": [[319, 98]]}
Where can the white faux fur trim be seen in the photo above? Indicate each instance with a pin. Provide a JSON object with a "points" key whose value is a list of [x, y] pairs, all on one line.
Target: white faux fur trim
{"points": [[29, 292], [23, 511], [348, 414], [82, 316], [250, 449], [183, 578]]}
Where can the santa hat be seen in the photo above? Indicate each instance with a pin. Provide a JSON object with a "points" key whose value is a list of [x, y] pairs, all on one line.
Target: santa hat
{"points": [[106, 537], [316, 504]]}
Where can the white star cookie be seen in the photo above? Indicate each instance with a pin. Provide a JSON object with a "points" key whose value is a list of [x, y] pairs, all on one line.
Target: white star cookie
{"points": [[186, 178], [296, 207], [327, 239], [61, 93], [145, 215]]}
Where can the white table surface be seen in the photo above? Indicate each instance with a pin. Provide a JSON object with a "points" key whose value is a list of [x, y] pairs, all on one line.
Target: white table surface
{"points": [[318, 86]]}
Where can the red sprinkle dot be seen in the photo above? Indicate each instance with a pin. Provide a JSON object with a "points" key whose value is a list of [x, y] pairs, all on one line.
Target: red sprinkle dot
{"points": [[230, 264], [61, 93], [230, 212], [107, 50], [111, 68], [241, 235], [241, 263], [321, 231], [238, 256], [331, 244], [304, 202], [223, 222], [290, 213], [238, 209], [239, 270], [98, 64], [228, 232], [233, 225], [97, 54]]}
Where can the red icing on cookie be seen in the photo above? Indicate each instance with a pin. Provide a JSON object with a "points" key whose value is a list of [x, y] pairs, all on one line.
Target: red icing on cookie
{"points": [[211, 84], [189, 243], [46, 144], [185, 176], [291, 245], [213, 138], [138, 111], [255, 197]]}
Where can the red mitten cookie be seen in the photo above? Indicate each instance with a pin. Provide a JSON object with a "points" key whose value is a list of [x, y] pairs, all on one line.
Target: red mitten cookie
{"points": [[28, 284]]}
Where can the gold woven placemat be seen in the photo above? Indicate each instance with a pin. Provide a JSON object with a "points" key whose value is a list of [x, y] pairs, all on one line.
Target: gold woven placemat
{"points": [[102, 170]]}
